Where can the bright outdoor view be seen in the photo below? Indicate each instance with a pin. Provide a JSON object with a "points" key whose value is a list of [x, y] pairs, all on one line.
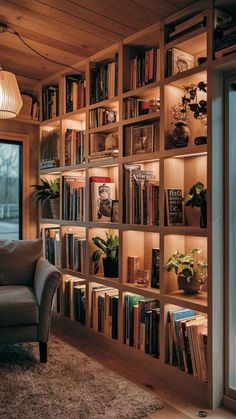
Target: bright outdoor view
{"points": [[9, 190]]}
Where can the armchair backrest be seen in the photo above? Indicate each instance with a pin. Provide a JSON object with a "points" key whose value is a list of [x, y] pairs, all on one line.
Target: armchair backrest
{"points": [[18, 260]]}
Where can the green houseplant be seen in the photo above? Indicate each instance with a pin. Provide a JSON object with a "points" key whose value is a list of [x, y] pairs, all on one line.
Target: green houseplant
{"points": [[192, 273], [48, 192], [109, 248], [197, 198]]}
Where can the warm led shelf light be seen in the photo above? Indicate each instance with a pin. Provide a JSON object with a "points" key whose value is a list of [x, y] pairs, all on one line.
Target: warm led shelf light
{"points": [[10, 97]]}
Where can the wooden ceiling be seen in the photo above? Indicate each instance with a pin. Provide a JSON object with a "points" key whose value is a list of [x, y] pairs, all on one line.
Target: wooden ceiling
{"points": [[70, 30]]}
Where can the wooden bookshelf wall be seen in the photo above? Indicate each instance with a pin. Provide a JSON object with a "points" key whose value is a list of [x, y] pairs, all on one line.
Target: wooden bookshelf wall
{"points": [[177, 167]]}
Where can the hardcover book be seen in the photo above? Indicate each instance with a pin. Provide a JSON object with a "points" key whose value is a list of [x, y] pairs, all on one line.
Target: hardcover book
{"points": [[103, 192], [178, 61]]}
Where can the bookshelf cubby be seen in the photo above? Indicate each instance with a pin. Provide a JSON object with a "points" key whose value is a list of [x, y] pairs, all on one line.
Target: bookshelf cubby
{"points": [[172, 167]]}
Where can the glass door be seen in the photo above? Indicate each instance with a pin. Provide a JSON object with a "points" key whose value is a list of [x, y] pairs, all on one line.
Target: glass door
{"points": [[10, 190], [230, 237]]}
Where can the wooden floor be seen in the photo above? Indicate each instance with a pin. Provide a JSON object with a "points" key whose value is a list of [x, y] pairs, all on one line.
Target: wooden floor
{"points": [[176, 407]]}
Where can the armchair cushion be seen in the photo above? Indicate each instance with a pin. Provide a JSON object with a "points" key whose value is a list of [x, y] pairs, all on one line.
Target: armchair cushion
{"points": [[18, 306], [18, 260]]}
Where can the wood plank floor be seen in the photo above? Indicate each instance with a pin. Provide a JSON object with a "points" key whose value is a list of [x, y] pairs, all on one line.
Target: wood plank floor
{"points": [[176, 407]]}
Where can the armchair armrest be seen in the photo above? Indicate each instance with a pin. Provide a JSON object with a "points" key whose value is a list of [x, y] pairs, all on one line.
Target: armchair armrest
{"points": [[46, 281]]}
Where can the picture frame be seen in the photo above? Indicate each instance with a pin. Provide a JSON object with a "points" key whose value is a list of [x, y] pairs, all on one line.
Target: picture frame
{"points": [[142, 139], [115, 211], [174, 207]]}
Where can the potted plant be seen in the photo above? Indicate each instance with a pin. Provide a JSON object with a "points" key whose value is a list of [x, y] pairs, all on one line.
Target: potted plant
{"points": [[192, 273], [49, 192], [110, 248], [197, 198]]}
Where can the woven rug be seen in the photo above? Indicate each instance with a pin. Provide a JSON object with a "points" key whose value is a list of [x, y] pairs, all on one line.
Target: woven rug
{"points": [[70, 386]]}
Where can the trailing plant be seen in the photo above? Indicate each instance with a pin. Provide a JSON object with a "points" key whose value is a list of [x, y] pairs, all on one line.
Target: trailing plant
{"points": [[190, 102], [197, 196], [109, 247], [187, 265], [49, 189]]}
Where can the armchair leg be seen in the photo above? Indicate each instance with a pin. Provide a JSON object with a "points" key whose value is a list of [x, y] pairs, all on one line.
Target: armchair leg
{"points": [[43, 352]]}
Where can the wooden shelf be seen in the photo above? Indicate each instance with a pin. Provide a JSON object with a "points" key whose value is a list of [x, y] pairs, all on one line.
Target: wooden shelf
{"points": [[174, 168], [104, 128], [148, 88], [26, 121], [51, 170], [195, 302], [141, 118], [105, 103]]}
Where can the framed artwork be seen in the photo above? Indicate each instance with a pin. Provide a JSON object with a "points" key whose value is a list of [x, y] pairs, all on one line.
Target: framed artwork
{"points": [[115, 211], [142, 139]]}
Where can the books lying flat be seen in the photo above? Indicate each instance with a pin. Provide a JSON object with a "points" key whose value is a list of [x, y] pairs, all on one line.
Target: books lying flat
{"points": [[102, 192]]}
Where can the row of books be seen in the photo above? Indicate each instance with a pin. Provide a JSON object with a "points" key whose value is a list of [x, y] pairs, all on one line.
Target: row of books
{"points": [[101, 116], [134, 107], [50, 102], [51, 245], [74, 299], [74, 147], [141, 323], [188, 341], [49, 149], [73, 198], [141, 196], [105, 311], [144, 68], [104, 81], [30, 107], [75, 92], [75, 252]]}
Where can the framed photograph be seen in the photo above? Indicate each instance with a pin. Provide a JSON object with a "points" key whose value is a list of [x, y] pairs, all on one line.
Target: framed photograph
{"points": [[115, 211], [142, 139]]}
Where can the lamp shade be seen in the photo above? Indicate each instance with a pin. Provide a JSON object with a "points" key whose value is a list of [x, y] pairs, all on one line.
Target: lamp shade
{"points": [[10, 97]]}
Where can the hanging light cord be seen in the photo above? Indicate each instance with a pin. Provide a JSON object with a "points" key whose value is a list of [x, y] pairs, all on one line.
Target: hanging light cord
{"points": [[14, 32]]}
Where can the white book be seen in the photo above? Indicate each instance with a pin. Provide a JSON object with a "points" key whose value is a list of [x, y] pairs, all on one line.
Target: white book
{"points": [[102, 194]]}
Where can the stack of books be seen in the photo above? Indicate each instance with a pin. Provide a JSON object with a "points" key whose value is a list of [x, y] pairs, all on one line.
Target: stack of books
{"points": [[30, 107], [141, 196], [50, 102], [105, 311], [74, 147], [75, 92], [101, 116], [188, 341], [178, 29], [49, 149], [74, 299], [104, 81], [75, 251], [51, 245], [73, 198], [144, 68], [141, 324]]}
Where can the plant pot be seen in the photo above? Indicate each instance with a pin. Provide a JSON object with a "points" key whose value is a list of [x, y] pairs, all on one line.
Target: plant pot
{"points": [[190, 285], [46, 209], [180, 135], [110, 267], [203, 218], [192, 216], [55, 208]]}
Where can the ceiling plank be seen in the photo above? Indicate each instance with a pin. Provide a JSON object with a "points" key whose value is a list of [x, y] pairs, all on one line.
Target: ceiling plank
{"points": [[48, 41], [162, 7], [117, 15], [134, 9], [55, 17], [85, 18], [32, 21]]}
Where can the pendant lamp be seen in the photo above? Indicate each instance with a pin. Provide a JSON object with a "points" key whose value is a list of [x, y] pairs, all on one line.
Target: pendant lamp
{"points": [[10, 97]]}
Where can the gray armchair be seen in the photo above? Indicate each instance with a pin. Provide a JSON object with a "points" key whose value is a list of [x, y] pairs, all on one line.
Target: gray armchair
{"points": [[27, 286]]}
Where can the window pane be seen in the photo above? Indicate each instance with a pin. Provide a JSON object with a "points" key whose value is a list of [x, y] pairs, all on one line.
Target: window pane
{"points": [[10, 190]]}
